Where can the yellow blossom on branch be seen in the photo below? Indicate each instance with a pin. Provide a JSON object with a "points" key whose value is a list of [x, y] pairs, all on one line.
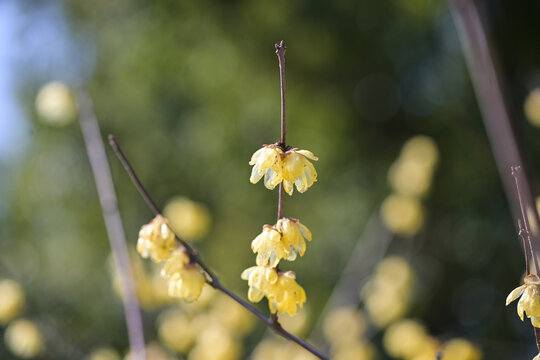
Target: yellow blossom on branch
{"points": [[292, 167], [293, 235], [284, 240], [269, 247], [185, 280], [259, 278], [530, 299], [298, 170], [267, 162], [156, 240], [286, 295]]}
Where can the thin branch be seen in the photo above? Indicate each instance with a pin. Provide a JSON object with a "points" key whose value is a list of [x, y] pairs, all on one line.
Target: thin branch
{"points": [[113, 222], [525, 233], [525, 238], [280, 52], [194, 257]]}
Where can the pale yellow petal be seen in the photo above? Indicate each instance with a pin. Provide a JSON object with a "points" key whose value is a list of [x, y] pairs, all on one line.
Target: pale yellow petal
{"points": [[514, 294]]}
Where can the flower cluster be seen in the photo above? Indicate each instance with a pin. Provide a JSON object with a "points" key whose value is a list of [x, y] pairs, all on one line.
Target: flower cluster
{"points": [[287, 238], [291, 167], [157, 242], [530, 299]]}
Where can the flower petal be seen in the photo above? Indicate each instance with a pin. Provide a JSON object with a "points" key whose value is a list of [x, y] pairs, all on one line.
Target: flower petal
{"points": [[514, 294]]}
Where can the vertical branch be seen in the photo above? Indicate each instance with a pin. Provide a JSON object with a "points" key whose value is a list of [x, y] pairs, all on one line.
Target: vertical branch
{"points": [[495, 113], [525, 233], [113, 222], [280, 51]]}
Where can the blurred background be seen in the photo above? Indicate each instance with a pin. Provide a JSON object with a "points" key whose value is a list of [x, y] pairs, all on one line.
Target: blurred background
{"points": [[414, 248]]}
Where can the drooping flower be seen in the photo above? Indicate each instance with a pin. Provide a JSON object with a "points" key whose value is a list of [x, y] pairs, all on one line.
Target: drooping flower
{"points": [[156, 240], [185, 280], [267, 162], [260, 279], [293, 235], [285, 295], [269, 247], [298, 170], [530, 299]]}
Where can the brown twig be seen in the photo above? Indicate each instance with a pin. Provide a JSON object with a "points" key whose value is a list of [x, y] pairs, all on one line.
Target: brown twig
{"points": [[113, 223], [280, 52], [194, 257]]}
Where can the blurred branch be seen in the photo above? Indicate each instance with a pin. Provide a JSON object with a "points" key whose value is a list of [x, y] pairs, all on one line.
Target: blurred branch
{"points": [[194, 257], [113, 222], [496, 115]]}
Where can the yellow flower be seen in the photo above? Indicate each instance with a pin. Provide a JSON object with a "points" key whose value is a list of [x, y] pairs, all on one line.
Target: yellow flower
{"points": [[11, 300], [185, 280], [285, 295], [269, 247], [291, 167], [267, 162], [530, 299], [293, 235], [259, 278], [156, 240], [298, 170], [24, 339]]}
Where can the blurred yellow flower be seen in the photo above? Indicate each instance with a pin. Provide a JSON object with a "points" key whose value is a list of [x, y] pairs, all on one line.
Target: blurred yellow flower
{"points": [[387, 294], [286, 295], [189, 219], [357, 350], [460, 349], [344, 325], [530, 299], [156, 240], [422, 149], [267, 162], [11, 300], [532, 107], [293, 235], [24, 339], [185, 280], [55, 104], [298, 170], [269, 247], [104, 353], [402, 214], [405, 339], [277, 349], [231, 315], [175, 330], [215, 343], [410, 177], [291, 167], [259, 278]]}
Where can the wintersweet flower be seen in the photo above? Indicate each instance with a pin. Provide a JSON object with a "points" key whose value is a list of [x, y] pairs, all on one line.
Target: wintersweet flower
{"points": [[298, 170], [267, 162], [285, 295], [185, 280], [293, 235], [156, 240], [269, 247], [260, 279], [530, 299]]}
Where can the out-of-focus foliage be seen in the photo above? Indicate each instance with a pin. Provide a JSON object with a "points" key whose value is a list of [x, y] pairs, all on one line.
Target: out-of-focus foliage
{"points": [[191, 89]]}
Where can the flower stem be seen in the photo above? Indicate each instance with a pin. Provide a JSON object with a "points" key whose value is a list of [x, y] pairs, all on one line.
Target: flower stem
{"points": [[212, 279]]}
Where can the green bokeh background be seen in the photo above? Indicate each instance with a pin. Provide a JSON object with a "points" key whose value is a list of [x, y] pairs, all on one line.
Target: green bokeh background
{"points": [[191, 90]]}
